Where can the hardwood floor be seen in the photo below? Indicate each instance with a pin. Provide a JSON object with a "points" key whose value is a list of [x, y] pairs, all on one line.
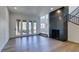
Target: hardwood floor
{"points": [[39, 44]]}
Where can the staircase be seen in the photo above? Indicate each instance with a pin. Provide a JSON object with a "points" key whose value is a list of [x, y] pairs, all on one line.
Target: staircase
{"points": [[73, 26], [73, 18]]}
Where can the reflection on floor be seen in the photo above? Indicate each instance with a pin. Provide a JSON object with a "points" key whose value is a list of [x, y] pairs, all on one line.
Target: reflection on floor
{"points": [[39, 44]]}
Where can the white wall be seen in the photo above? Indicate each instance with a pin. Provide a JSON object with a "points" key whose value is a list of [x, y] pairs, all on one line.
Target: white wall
{"points": [[73, 30], [45, 20], [14, 17], [4, 26]]}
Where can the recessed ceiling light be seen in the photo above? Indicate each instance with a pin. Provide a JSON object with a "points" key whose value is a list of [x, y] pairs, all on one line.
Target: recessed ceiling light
{"points": [[51, 8], [15, 8], [58, 11]]}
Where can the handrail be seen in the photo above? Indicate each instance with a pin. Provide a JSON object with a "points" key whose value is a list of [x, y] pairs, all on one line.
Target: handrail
{"points": [[73, 18], [73, 22], [74, 10]]}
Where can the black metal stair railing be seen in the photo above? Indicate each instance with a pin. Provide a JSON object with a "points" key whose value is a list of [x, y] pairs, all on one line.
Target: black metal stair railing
{"points": [[72, 17], [75, 12]]}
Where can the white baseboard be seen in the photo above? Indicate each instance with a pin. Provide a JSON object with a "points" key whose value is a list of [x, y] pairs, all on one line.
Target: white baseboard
{"points": [[22, 36]]}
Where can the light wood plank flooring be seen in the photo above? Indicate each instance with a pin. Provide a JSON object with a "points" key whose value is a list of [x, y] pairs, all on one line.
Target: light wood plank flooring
{"points": [[39, 44]]}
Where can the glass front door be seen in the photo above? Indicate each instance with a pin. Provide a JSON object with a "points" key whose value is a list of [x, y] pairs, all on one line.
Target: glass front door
{"points": [[25, 28], [34, 27], [30, 27], [18, 27]]}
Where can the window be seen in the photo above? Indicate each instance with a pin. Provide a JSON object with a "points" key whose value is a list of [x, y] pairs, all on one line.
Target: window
{"points": [[30, 27], [47, 16], [24, 26], [34, 27], [21, 27], [42, 25], [42, 17], [18, 27]]}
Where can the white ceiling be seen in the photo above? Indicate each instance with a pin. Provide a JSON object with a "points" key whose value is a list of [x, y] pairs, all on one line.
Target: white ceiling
{"points": [[32, 10]]}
